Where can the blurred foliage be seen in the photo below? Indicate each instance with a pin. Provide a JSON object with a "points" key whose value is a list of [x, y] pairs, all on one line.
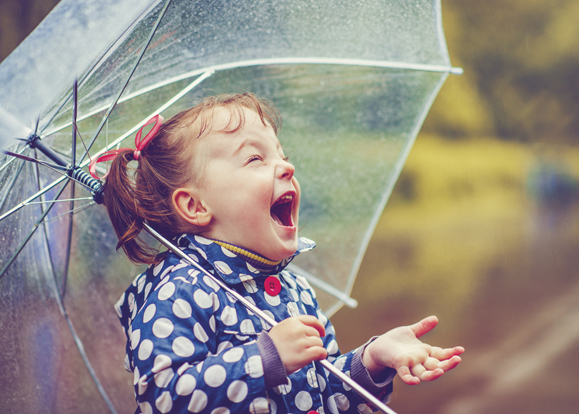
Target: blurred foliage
{"points": [[520, 59]]}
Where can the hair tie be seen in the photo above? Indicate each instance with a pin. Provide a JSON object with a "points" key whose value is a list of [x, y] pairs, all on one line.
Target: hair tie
{"points": [[140, 145]]}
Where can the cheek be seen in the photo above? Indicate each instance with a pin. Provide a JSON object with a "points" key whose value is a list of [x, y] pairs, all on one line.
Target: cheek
{"points": [[297, 185], [298, 194]]}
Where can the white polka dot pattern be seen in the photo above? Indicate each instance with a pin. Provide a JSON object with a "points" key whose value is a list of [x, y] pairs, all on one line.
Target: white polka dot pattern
{"points": [[146, 408], [237, 391], [253, 367], [166, 291], [258, 406], [185, 385], [135, 338], [198, 401], [162, 328], [149, 312], [164, 403], [247, 327], [215, 376], [198, 344], [142, 385], [202, 299], [200, 333], [304, 400], [229, 316], [183, 347], [163, 378], [233, 355], [145, 349]]}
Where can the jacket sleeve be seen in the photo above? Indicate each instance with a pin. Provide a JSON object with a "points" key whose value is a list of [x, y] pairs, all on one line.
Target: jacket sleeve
{"points": [[343, 397], [181, 364]]}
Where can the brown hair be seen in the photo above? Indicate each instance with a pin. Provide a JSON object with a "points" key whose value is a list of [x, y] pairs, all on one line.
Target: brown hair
{"points": [[135, 195]]}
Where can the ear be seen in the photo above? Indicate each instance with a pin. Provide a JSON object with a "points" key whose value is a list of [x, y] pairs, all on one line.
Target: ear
{"points": [[190, 207]]}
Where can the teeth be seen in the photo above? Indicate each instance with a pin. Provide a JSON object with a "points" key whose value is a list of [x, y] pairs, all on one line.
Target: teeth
{"points": [[284, 199]]}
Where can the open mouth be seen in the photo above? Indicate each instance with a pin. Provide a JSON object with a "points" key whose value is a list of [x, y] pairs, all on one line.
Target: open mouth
{"points": [[281, 211]]}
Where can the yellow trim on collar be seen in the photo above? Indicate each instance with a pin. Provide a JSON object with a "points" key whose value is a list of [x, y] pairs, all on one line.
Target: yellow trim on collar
{"points": [[247, 255]]}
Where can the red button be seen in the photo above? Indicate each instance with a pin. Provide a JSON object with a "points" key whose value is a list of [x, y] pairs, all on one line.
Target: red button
{"points": [[272, 286], [312, 412]]}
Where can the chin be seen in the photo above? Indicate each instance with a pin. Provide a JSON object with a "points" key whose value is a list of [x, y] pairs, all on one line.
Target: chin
{"points": [[289, 252], [282, 252]]}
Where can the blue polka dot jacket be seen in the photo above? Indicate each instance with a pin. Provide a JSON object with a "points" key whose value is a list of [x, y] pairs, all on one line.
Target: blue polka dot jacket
{"points": [[193, 348]]}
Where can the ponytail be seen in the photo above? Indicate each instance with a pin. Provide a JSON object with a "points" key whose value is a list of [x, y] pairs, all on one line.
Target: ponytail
{"points": [[127, 217]]}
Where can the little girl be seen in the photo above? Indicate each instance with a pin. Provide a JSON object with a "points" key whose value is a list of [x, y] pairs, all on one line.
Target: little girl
{"points": [[214, 179]]}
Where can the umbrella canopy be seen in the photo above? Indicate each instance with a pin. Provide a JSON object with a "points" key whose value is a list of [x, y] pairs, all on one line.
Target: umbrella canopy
{"points": [[353, 81]]}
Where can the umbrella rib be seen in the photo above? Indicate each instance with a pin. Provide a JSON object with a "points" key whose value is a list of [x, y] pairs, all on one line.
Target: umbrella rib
{"points": [[75, 210], [390, 186], [114, 103], [29, 200], [327, 61], [111, 145], [11, 186], [60, 201], [33, 197], [75, 337], [61, 305], [12, 159], [273, 61], [69, 239], [159, 110], [30, 234], [87, 76], [86, 361], [56, 168]]}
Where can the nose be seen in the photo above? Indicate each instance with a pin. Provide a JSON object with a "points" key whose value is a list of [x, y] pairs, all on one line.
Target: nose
{"points": [[285, 170]]}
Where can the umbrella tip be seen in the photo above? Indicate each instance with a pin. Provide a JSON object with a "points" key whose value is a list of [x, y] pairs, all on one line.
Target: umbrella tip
{"points": [[456, 71]]}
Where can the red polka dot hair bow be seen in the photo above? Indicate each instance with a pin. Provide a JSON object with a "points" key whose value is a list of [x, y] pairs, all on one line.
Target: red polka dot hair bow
{"points": [[140, 145]]}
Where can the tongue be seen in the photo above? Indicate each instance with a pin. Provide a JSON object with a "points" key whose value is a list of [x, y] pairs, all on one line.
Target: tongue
{"points": [[276, 218]]}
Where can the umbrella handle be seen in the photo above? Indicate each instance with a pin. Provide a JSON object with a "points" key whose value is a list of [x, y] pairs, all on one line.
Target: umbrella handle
{"points": [[325, 363]]}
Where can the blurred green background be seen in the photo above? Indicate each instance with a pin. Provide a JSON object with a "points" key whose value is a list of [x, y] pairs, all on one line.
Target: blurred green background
{"points": [[482, 229]]}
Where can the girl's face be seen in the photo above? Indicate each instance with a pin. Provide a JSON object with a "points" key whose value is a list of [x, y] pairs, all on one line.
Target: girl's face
{"points": [[250, 189]]}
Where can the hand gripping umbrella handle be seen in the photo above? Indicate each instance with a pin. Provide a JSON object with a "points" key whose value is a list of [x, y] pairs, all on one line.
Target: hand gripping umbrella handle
{"points": [[325, 363]]}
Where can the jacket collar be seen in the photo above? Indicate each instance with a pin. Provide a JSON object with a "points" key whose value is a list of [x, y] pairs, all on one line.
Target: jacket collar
{"points": [[232, 267]]}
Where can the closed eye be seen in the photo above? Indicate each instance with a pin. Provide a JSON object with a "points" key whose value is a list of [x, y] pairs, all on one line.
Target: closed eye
{"points": [[253, 158]]}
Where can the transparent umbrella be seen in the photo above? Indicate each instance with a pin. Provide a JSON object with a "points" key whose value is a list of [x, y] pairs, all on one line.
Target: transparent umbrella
{"points": [[353, 81]]}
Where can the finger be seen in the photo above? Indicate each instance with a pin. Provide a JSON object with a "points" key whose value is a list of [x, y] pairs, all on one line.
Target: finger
{"points": [[405, 375], [432, 375], [431, 364], [309, 331], [450, 363], [315, 353], [312, 321], [418, 370], [312, 342], [424, 326], [447, 353]]}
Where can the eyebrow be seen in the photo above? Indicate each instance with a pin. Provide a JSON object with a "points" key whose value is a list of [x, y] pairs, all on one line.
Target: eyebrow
{"points": [[253, 143]]}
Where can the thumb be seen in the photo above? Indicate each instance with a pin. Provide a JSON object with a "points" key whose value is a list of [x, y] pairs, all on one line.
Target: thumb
{"points": [[424, 326], [312, 321]]}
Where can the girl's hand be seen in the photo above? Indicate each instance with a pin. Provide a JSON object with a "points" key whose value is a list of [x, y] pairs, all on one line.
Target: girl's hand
{"points": [[298, 342], [413, 360]]}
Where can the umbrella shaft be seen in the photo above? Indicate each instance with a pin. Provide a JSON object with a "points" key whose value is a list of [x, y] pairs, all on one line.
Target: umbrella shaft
{"points": [[325, 363], [35, 142]]}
